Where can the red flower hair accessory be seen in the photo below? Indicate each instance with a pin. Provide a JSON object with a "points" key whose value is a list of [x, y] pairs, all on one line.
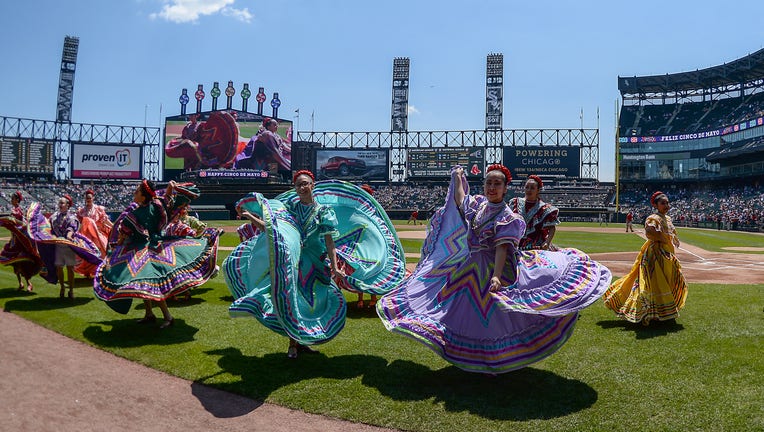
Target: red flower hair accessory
{"points": [[367, 188], [303, 172], [68, 199], [537, 179], [655, 197], [18, 195], [90, 191], [501, 168], [145, 186]]}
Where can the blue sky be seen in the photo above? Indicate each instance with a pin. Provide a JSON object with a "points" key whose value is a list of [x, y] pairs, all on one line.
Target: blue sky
{"points": [[334, 58]]}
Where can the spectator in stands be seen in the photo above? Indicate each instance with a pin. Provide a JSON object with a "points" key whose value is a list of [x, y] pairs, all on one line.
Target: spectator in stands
{"points": [[20, 252], [629, 220], [655, 288], [95, 225], [540, 217], [137, 265]]}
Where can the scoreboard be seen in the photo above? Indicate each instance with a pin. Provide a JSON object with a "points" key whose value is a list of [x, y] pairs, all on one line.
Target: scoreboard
{"points": [[437, 162], [26, 156]]}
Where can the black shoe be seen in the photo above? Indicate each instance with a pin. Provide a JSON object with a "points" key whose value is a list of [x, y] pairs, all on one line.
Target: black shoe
{"points": [[166, 323], [292, 352], [306, 349], [148, 319]]}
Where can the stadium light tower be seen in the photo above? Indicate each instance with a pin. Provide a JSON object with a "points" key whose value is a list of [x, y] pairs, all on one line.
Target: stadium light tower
{"points": [[64, 104]]}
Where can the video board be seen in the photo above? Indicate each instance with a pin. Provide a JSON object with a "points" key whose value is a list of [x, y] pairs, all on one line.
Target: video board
{"points": [[437, 162], [26, 156], [226, 147]]}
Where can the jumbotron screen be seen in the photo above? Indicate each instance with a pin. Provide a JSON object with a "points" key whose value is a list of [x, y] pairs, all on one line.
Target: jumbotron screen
{"points": [[26, 156], [225, 144], [437, 162]]}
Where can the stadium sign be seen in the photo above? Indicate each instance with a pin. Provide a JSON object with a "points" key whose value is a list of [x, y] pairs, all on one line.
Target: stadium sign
{"points": [[543, 161], [99, 161], [437, 162]]}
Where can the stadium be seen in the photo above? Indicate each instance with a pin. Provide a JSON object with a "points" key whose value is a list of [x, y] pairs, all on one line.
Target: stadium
{"points": [[698, 136]]}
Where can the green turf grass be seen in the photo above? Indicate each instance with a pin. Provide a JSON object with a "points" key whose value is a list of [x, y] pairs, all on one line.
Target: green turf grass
{"points": [[705, 372]]}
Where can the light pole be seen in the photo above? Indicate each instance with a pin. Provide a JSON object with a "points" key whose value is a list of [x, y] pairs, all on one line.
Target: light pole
{"points": [[145, 115]]}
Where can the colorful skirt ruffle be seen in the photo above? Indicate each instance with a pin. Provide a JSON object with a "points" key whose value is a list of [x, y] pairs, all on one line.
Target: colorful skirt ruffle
{"points": [[20, 252], [446, 303], [654, 289], [40, 231], [265, 271], [137, 271]]}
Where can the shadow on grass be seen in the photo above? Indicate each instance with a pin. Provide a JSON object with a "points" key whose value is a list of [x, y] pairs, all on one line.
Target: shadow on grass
{"points": [[14, 293], [182, 301], [655, 329], [40, 303], [223, 404], [260, 376], [520, 395], [127, 333]]}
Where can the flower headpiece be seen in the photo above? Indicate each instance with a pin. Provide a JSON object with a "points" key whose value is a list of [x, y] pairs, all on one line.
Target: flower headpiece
{"points": [[301, 172], [146, 188], [18, 195], [367, 188], [537, 179], [655, 196], [501, 168], [68, 199]]}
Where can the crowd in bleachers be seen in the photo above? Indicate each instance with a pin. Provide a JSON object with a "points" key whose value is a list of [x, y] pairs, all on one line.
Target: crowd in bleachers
{"points": [[115, 196], [736, 207], [689, 117], [739, 206], [427, 197]]}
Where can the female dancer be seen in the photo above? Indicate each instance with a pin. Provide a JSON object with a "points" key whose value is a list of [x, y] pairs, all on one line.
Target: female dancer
{"points": [[540, 217], [478, 302], [282, 272], [95, 225], [265, 147], [655, 288], [20, 252], [143, 263]]}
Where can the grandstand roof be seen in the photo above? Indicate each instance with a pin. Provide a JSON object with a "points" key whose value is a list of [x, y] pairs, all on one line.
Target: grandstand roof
{"points": [[746, 69]]}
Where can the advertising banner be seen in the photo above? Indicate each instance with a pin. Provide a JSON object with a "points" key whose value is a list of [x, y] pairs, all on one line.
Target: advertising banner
{"points": [[342, 164], [543, 161], [105, 161]]}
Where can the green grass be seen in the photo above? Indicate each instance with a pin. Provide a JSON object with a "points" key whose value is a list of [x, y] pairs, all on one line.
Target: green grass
{"points": [[717, 241], [704, 373]]}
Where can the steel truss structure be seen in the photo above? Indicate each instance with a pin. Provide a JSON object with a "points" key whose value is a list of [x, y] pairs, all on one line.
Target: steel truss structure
{"points": [[734, 79], [492, 140], [64, 134]]}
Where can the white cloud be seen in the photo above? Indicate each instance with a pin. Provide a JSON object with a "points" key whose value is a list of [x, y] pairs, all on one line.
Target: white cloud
{"points": [[413, 110], [242, 15], [183, 11]]}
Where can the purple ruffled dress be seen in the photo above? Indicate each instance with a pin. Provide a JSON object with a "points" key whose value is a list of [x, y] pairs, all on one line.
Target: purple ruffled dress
{"points": [[446, 303]]}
